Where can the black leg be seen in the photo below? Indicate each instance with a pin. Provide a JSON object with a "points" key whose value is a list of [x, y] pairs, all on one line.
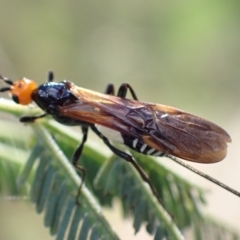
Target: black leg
{"points": [[110, 89], [130, 159], [50, 76], [122, 91], [32, 118], [76, 156]]}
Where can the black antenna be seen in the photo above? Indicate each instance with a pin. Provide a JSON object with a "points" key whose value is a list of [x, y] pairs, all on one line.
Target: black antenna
{"points": [[5, 89], [6, 80], [204, 175]]}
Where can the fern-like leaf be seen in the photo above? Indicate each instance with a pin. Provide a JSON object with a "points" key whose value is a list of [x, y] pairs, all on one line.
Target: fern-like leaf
{"points": [[54, 185]]}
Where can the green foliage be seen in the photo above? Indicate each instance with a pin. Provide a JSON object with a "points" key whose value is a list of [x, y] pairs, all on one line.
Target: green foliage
{"points": [[54, 184]]}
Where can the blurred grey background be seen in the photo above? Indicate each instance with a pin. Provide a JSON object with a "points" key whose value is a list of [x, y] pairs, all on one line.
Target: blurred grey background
{"points": [[180, 53]]}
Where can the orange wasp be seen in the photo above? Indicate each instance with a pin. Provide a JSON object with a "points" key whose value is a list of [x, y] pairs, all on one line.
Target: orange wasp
{"points": [[148, 128]]}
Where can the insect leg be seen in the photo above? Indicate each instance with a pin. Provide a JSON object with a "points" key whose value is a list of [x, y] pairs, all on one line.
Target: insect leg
{"points": [[50, 76], [110, 89], [122, 91], [77, 155], [130, 159], [32, 118]]}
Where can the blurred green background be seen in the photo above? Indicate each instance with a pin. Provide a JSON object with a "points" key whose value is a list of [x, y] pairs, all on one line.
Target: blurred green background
{"points": [[180, 53]]}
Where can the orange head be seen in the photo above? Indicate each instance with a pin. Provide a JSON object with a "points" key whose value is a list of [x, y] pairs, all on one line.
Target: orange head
{"points": [[21, 90]]}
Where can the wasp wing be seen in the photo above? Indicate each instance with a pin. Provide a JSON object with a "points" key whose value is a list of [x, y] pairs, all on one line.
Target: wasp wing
{"points": [[188, 136], [161, 127]]}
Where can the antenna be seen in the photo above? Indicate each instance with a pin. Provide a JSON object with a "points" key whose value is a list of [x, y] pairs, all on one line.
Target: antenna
{"points": [[6, 80]]}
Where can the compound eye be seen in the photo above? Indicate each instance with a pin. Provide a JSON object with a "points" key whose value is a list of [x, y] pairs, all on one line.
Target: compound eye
{"points": [[15, 98]]}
